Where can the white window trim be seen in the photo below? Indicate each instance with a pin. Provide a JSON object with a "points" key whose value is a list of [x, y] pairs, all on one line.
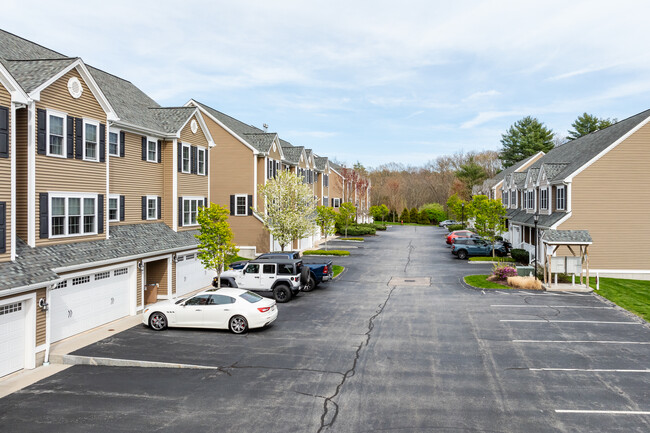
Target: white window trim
{"points": [[83, 139], [336, 202], [247, 205], [66, 196], [155, 141], [200, 151], [155, 200], [113, 131], [200, 202], [557, 197], [545, 208], [64, 146], [108, 208], [189, 158]]}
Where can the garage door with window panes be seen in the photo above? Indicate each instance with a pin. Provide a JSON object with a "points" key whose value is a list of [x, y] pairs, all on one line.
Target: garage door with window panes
{"points": [[191, 275], [85, 302], [12, 337]]}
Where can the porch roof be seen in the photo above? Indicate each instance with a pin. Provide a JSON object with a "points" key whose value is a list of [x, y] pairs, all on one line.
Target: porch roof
{"points": [[567, 237], [519, 216]]}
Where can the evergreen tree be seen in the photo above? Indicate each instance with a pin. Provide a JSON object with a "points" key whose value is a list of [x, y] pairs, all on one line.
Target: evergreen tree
{"points": [[586, 123], [414, 215], [525, 138], [406, 216], [423, 217]]}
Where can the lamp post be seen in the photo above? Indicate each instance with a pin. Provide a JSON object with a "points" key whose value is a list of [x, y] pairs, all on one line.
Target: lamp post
{"points": [[462, 213], [536, 218]]}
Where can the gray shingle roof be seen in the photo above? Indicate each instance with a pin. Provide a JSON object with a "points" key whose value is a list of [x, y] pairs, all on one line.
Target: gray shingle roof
{"points": [[172, 119], [37, 265], [13, 47], [520, 178], [292, 153], [519, 216], [567, 236], [553, 169], [262, 141], [32, 73], [321, 162]]}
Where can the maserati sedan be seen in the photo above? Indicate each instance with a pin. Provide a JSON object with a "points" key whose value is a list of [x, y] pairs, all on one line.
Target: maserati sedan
{"points": [[226, 308]]}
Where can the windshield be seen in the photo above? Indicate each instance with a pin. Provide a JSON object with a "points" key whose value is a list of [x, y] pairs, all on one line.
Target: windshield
{"points": [[251, 297]]}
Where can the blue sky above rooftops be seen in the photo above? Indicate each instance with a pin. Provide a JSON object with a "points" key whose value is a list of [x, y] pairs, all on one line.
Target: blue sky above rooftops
{"points": [[374, 81]]}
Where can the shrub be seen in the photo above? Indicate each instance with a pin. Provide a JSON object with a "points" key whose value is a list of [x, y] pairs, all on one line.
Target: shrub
{"points": [[405, 217], [414, 215], [503, 272], [423, 218], [491, 259], [520, 255], [453, 227], [379, 226], [351, 239], [325, 253], [357, 229], [526, 283]]}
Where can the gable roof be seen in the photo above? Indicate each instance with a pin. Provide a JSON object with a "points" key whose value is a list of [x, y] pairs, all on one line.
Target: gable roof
{"points": [[262, 141], [30, 74], [320, 162], [172, 119], [292, 153]]}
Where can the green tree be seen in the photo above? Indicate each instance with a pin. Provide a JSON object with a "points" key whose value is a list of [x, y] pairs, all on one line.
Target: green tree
{"points": [[458, 208], [414, 215], [384, 212], [347, 213], [586, 123], [290, 208], [215, 239], [423, 217], [488, 217], [405, 217], [435, 212], [326, 219], [525, 138], [375, 212], [470, 174]]}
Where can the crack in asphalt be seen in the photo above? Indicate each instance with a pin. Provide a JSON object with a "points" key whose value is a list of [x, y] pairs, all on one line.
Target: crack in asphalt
{"points": [[234, 366], [408, 260], [351, 372]]}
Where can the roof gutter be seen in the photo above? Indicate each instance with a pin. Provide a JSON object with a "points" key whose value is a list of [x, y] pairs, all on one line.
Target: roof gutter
{"points": [[22, 289], [139, 129]]}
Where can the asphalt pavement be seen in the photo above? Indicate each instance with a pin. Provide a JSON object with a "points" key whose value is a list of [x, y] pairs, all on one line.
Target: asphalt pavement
{"points": [[397, 343]]}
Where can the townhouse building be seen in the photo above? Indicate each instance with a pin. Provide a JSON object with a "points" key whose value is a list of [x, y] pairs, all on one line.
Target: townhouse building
{"points": [[493, 187], [594, 183]]}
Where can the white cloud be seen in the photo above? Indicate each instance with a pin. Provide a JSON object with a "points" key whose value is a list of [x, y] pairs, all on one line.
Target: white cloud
{"points": [[487, 116]]}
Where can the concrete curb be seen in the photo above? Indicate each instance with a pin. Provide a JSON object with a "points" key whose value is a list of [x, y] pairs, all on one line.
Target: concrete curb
{"points": [[112, 362]]}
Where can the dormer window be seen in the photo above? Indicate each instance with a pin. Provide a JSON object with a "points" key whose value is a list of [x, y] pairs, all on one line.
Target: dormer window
{"points": [[505, 199], [560, 198], [513, 198], [543, 199]]}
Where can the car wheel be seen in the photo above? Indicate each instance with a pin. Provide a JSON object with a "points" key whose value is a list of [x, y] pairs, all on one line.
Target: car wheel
{"points": [[238, 324], [282, 293], [462, 254], [304, 275], [158, 321], [310, 285]]}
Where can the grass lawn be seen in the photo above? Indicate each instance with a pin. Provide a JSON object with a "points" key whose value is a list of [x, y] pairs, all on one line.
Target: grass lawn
{"points": [[481, 282], [491, 259], [325, 253], [236, 259], [337, 270], [633, 295], [351, 239], [388, 223]]}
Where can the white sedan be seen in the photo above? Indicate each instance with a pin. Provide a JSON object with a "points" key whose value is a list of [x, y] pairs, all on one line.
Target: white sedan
{"points": [[226, 308]]}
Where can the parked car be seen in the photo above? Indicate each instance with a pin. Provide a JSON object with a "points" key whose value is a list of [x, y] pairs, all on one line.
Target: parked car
{"points": [[283, 277], [447, 223], [476, 246], [321, 270], [459, 234], [227, 308]]}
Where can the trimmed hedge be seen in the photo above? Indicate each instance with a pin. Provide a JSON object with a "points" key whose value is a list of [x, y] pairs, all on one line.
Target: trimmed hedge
{"points": [[325, 253], [454, 227], [491, 259], [351, 239], [520, 255], [357, 230], [379, 226]]}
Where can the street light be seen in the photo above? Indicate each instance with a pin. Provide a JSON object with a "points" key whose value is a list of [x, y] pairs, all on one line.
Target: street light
{"points": [[536, 219], [462, 213]]}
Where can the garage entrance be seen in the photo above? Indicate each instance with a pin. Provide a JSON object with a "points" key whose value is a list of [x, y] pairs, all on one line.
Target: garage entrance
{"points": [[190, 274], [12, 337], [156, 282]]}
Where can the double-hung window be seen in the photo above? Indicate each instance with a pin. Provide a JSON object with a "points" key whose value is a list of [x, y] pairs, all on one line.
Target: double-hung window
{"points": [[185, 155], [56, 133], [191, 209], [91, 140], [152, 150], [561, 198], [152, 207], [505, 196], [114, 143], [513, 198], [241, 205], [543, 199], [336, 202], [113, 208], [200, 158], [73, 215]]}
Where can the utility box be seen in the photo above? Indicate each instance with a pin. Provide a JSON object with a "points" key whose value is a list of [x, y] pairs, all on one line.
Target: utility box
{"points": [[150, 293], [524, 271]]}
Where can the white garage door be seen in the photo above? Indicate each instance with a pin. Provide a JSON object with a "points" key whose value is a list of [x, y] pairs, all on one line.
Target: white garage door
{"points": [[191, 275], [85, 302], [12, 337]]}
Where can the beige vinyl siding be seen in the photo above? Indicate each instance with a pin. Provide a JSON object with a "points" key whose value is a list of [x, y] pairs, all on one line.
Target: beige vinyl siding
{"points": [[169, 169], [261, 180], [41, 319], [336, 186], [173, 288], [138, 287], [5, 177], [21, 173], [193, 185], [275, 153], [156, 272], [198, 139], [63, 174], [133, 178], [610, 199]]}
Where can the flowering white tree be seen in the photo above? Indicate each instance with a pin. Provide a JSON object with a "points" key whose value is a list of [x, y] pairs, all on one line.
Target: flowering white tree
{"points": [[290, 208]]}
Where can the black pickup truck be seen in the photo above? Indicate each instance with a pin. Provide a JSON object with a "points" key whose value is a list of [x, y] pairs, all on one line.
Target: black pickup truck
{"points": [[319, 271]]}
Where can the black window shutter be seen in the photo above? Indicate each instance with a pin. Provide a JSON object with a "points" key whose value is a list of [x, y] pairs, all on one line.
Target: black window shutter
{"points": [[102, 142], [3, 227], [180, 211], [41, 117], [159, 151], [159, 207], [44, 215], [180, 156], [144, 207], [70, 137], [122, 200], [232, 205], [144, 148], [249, 202], [4, 132], [122, 140], [78, 134], [193, 159], [100, 212], [205, 202], [207, 156]]}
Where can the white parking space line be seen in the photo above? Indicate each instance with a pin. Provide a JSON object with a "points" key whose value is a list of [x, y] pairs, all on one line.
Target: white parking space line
{"points": [[567, 321], [551, 306], [605, 412], [591, 370], [583, 341]]}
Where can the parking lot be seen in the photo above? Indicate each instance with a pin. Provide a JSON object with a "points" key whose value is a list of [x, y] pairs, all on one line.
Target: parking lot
{"points": [[398, 343]]}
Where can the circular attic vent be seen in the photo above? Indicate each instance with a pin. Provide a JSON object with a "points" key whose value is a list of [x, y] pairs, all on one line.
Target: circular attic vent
{"points": [[194, 126], [74, 87]]}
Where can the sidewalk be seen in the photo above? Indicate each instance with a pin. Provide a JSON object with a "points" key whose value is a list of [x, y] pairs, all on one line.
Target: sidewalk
{"points": [[23, 378]]}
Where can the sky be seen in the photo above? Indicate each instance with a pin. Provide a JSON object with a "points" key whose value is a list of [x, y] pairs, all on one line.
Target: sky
{"points": [[370, 81]]}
